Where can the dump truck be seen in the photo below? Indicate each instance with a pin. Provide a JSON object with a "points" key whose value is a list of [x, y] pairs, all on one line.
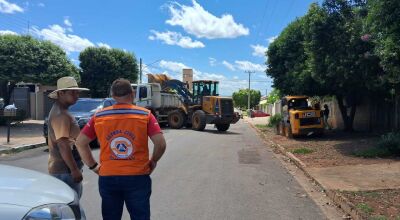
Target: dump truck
{"points": [[299, 118], [172, 103]]}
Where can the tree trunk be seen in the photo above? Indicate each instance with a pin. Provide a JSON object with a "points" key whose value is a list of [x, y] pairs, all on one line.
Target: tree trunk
{"points": [[3, 89], [347, 119]]}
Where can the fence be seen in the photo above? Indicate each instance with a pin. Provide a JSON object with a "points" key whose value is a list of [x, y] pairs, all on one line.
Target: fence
{"points": [[372, 115]]}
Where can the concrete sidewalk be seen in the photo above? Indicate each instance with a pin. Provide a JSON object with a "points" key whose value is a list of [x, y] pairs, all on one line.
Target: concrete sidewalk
{"points": [[333, 179], [24, 135], [351, 177]]}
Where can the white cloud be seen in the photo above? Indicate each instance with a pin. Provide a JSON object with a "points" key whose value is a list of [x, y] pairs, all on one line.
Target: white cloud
{"points": [[212, 61], [229, 65], [173, 66], [41, 4], [198, 75], [272, 39], [4, 32], [259, 50], [69, 42], [249, 66], [174, 38], [226, 85], [67, 22], [201, 23], [177, 67], [9, 8], [104, 45]]}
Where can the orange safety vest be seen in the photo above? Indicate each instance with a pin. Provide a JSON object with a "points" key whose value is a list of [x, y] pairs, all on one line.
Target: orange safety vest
{"points": [[122, 133]]}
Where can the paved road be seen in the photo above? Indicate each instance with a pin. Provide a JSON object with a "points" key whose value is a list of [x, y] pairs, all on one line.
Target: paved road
{"points": [[207, 175]]}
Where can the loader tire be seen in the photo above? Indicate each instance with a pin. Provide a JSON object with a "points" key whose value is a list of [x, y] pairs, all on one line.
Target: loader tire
{"points": [[176, 119], [222, 127], [199, 120]]}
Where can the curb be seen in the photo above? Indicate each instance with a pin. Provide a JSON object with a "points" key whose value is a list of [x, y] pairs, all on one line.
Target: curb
{"points": [[22, 148], [335, 196]]}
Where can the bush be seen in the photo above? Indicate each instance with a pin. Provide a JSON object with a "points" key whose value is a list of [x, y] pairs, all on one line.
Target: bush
{"points": [[274, 120], [391, 142], [388, 145]]}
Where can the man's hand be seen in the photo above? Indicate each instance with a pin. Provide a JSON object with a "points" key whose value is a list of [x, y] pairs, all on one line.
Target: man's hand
{"points": [[76, 176], [96, 169], [152, 165]]}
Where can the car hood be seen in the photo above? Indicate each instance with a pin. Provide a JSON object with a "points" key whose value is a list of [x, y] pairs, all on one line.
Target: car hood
{"points": [[23, 187], [82, 114]]}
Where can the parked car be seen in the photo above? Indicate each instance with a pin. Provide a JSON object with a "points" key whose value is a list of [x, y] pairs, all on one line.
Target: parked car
{"points": [[82, 110], [258, 113], [108, 102], [28, 195]]}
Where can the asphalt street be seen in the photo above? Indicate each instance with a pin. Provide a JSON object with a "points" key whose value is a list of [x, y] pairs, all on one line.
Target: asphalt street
{"points": [[207, 175]]}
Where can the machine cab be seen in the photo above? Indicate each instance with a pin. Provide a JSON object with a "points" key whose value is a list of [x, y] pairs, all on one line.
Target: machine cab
{"points": [[295, 102], [204, 88]]}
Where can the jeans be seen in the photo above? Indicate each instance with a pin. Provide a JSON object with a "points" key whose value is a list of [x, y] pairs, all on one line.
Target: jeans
{"points": [[134, 191], [77, 187], [326, 122]]}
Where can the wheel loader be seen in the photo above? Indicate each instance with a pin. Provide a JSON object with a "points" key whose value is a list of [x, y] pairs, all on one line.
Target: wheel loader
{"points": [[172, 103]]}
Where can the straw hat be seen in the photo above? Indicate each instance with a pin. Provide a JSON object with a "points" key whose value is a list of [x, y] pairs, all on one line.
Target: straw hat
{"points": [[65, 83]]}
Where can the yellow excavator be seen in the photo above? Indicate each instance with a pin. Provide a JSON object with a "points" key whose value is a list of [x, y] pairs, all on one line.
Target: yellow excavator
{"points": [[198, 107]]}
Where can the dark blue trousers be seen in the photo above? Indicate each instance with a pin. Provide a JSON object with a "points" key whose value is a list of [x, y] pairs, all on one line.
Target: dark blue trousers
{"points": [[134, 191]]}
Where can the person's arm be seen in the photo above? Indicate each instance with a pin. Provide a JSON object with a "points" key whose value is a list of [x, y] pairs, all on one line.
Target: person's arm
{"points": [[61, 127], [82, 144], [158, 140], [158, 150], [64, 145]]}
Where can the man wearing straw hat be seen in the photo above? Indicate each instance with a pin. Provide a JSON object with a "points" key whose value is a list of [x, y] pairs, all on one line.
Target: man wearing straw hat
{"points": [[64, 160]]}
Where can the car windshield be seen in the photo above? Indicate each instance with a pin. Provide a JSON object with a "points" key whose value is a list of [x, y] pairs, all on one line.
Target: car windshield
{"points": [[298, 103], [85, 105]]}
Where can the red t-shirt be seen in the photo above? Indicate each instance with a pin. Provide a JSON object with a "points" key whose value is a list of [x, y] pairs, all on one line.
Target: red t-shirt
{"points": [[152, 128]]}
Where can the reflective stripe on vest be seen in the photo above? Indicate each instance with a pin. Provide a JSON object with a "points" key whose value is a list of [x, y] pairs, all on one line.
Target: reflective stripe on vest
{"points": [[122, 133]]}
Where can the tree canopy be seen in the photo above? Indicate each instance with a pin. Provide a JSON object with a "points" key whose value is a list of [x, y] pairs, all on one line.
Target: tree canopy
{"points": [[326, 53], [273, 96], [101, 66], [240, 98], [384, 23], [23, 58]]}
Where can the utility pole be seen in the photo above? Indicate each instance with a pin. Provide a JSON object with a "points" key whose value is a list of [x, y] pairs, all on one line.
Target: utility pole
{"points": [[248, 97], [140, 71]]}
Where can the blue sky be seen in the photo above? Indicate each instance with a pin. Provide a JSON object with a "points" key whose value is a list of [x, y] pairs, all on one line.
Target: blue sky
{"points": [[219, 39]]}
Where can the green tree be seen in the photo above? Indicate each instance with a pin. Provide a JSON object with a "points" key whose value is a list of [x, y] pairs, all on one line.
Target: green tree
{"points": [[338, 56], [323, 53], [274, 95], [240, 98], [384, 23], [23, 58], [101, 66], [287, 62]]}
